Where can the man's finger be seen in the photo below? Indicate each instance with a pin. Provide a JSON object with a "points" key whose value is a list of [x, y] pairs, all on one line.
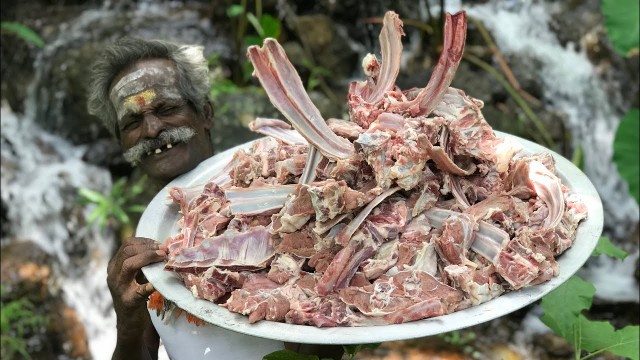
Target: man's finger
{"points": [[135, 249], [138, 241], [138, 294], [131, 265], [145, 290]]}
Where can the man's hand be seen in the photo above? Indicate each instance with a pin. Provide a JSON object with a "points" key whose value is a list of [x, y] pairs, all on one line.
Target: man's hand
{"points": [[129, 295]]}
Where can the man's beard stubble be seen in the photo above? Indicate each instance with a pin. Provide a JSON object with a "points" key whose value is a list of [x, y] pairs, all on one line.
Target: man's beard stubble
{"points": [[135, 154]]}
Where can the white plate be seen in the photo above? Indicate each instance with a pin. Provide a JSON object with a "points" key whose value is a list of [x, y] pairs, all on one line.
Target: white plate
{"points": [[159, 221]]}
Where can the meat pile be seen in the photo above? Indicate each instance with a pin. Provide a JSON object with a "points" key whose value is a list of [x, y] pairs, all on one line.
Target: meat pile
{"points": [[411, 209]]}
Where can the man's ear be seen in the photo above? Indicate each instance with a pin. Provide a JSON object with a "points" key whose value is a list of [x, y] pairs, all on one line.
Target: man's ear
{"points": [[208, 115]]}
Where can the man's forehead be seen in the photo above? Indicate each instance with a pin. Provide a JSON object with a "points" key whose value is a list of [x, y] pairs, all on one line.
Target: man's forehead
{"points": [[144, 74], [141, 84]]}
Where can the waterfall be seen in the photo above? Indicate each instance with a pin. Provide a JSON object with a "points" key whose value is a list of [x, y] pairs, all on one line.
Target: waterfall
{"points": [[40, 177], [42, 172], [570, 85]]}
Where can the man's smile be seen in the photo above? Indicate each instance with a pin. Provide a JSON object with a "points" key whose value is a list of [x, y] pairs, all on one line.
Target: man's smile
{"points": [[166, 140], [162, 148]]}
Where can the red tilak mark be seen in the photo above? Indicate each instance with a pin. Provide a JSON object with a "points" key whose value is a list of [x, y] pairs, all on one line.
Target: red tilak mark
{"points": [[140, 101]]}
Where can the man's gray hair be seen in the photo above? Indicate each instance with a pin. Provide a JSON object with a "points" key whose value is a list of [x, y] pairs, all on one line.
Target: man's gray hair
{"points": [[192, 82]]}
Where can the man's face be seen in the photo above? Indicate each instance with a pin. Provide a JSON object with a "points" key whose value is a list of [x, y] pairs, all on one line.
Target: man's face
{"points": [[159, 130]]}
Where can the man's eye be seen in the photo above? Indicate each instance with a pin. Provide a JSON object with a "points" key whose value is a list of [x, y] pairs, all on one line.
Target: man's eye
{"points": [[131, 124], [168, 110]]}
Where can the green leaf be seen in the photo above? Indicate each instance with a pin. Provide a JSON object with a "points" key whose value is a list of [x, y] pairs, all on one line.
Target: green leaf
{"points": [[352, 350], [563, 305], [578, 157], [626, 147], [94, 216], [247, 70], [256, 24], [288, 355], [116, 189], [22, 31], [270, 26], [605, 246], [252, 40], [136, 208], [621, 23], [121, 215], [235, 10], [93, 196], [312, 83], [600, 335]]}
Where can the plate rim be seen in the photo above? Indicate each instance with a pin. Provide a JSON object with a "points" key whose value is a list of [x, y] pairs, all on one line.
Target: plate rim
{"points": [[172, 288]]}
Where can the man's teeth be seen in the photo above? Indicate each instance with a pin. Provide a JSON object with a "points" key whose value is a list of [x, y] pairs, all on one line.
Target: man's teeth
{"points": [[159, 150]]}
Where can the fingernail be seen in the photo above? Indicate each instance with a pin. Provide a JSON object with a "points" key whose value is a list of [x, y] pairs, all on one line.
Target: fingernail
{"points": [[161, 252], [148, 287]]}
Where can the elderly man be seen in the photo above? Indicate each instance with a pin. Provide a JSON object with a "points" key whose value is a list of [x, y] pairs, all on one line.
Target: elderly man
{"points": [[153, 97]]}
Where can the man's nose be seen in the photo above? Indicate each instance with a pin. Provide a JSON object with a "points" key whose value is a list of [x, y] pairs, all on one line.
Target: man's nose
{"points": [[151, 125]]}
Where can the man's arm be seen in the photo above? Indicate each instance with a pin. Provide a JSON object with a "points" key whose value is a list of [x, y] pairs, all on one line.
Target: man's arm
{"points": [[136, 337]]}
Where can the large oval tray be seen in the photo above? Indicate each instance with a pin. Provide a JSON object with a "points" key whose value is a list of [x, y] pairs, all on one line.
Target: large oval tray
{"points": [[160, 221]]}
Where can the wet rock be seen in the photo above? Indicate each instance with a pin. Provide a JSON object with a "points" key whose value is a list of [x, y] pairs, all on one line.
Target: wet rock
{"points": [[554, 346], [29, 273], [329, 50], [73, 37], [67, 332], [234, 111], [570, 20], [329, 109], [26, 270], [106, 153]]}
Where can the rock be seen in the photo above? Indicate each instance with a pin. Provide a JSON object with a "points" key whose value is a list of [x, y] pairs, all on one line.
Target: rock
{"points": [[106, 153], [27, 273], [68, 332], [234, 111], [26, 270], [73, 37], [329, 49], [570, 20]]}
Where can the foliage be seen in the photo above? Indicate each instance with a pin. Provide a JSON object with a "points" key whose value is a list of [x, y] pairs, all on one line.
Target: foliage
{"points": [[264, 26], [563, 309], [23, 32], [288, 355], [605, 247], [621, 21], [315, 74], [626, 147], [352, 350], [17, 320], [578, 157], [117, 205], [458, 338]]}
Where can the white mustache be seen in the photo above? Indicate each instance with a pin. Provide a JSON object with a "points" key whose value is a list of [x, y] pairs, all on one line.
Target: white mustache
{"points": [[171, 136]]}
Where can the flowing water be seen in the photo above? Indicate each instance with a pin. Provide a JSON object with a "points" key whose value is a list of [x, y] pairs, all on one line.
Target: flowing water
{"points": [[41, 172], [572, 86], [40, 177]]}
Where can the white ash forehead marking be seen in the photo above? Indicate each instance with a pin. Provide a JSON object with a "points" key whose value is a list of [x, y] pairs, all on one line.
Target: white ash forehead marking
{"points": [[134, 82], [161, 79]]}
